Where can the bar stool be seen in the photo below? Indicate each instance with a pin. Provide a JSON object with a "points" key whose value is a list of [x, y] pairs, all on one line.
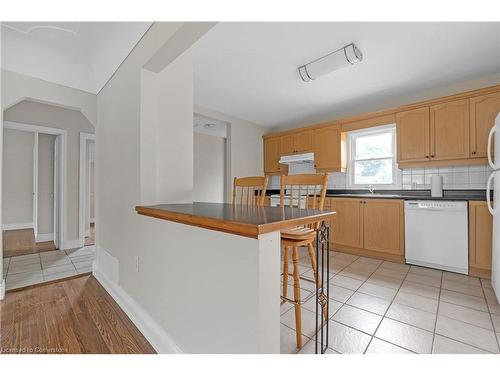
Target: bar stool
{"points": [[249, 191], [301, 185]]}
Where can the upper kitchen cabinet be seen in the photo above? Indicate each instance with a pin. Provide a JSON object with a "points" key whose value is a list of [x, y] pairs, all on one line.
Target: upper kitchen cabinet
{"points": [[328, 149], [272, 155], [483, 110], [449, 125], [413, 133], [297, 143]]}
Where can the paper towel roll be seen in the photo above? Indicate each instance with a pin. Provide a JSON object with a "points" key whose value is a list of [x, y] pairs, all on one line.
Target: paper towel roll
{"points": [[436, 186]]}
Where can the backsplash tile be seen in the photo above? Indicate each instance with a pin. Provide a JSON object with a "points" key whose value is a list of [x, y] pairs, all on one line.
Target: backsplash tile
{"points": [[461, 178]]}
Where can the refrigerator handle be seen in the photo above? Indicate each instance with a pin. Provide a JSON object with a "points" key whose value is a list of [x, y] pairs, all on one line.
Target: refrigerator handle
{"points": [[488, 195], [490, 137]]}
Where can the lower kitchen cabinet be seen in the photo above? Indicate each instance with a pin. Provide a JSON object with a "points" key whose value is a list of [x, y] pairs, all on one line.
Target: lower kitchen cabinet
{"points": [[383, 226], [347, 223], [369, 227], [480, 239]]}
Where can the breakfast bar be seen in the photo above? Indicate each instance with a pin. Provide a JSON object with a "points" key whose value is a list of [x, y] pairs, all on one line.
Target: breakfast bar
{"points": [[226, 259]]}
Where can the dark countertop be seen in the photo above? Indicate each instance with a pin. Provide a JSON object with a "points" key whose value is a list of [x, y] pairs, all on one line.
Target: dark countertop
{"points": [[248, 221], [452, 195]]}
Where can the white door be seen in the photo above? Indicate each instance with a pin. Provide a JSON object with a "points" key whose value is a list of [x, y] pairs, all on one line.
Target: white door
{"points": [[56, 193]]}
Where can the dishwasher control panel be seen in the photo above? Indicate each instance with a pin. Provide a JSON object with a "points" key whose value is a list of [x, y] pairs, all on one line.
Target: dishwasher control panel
{"points": [[436, 205]]}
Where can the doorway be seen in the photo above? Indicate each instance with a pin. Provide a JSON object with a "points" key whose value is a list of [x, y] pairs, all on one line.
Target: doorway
{"points": [[87, 190], [33, 189], [210, 157]]}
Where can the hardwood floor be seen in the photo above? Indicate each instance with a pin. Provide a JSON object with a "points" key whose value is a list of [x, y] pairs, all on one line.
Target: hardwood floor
{"points": [[22, 242], [71, 316]]}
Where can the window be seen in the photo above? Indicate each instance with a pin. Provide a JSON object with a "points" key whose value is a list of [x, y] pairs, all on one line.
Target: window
{"points": [[372, 158]]}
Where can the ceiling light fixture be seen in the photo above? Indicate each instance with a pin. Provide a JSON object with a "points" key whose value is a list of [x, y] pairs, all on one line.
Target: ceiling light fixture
{"points": [[345, 56]]}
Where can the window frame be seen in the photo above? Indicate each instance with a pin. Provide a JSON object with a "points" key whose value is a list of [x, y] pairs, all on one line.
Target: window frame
{"points": [[351, 152]]}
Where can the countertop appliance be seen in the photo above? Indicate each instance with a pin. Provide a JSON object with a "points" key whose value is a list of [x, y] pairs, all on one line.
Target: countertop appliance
{"points": [[275, 200], [436, 234], [495, 207]]}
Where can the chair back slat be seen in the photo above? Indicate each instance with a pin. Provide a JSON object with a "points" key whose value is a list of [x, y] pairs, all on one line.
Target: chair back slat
{"points": [[249, 191], [313, 184]]}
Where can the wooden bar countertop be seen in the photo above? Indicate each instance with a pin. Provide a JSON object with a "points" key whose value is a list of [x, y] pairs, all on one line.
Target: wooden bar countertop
{"points": [[247, 221]]}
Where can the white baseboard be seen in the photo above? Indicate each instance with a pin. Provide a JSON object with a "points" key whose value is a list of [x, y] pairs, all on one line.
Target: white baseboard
{"points": [[152, 331], [72, 244], [2, 288], [14, 226], [44, 237]]}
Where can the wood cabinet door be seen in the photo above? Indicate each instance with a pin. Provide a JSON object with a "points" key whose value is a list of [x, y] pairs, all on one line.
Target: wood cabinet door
{"points": [[347, 224], [383, 225], [480, 238], [483, 110], [271, 155], [304, 141], [287, 144], [450, 130], [327, 148], [413, 133]]}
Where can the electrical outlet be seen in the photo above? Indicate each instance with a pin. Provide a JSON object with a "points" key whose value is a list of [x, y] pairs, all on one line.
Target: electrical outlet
{"points": [[136, 260]]}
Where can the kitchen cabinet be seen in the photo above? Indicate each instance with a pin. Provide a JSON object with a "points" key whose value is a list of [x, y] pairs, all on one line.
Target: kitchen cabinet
{"points": [[449, 129], [480, 239], [383, 229], [327, 149], [483, 110], [347, 223], [297, 143], [368, 227], [413, 133], [272, 155]]}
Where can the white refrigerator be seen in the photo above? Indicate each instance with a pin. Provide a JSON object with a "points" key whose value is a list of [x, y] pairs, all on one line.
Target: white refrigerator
{"points": [[494, 207]]}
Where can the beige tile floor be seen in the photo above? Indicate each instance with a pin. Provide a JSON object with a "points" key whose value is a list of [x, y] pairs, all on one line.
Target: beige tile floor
{"points": [[25, 270], [384, 307]]}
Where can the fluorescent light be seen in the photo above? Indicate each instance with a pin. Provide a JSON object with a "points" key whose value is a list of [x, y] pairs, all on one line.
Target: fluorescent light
{"points": [[345, 56]]}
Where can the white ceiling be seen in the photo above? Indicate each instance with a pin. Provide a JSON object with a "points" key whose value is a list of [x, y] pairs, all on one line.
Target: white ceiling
{"points": [[82, 55], [249, 70]]}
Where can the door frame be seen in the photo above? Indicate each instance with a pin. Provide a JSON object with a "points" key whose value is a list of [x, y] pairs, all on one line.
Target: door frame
{"points": [[83, 184], [61, 139]]}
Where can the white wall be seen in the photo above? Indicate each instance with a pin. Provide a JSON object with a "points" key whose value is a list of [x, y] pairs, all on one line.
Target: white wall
{"points": [[45, 183], [73, 122], [17, 178], [144, 154], [245, 147], [209, 168]]}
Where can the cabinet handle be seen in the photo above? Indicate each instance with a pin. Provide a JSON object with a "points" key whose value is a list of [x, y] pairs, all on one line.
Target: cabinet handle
{"points": [[427, 156], [473, 152], [432, 156]]}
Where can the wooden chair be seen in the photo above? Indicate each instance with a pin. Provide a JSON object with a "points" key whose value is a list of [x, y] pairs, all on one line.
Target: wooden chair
{"points": [[249, 191], [313, 186]]}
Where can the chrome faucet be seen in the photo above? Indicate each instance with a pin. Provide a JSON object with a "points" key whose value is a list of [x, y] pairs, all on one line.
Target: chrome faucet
{"points": [[371, 188]]}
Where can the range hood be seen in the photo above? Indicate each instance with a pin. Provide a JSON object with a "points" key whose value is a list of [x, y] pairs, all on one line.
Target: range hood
{"points": [[307, 157]]}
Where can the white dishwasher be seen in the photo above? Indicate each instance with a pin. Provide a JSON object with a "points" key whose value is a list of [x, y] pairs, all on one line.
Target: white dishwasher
{"points": [[436, 235]]}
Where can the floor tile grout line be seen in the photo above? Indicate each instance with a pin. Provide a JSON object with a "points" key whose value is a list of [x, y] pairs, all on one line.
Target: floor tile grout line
{"points": [[343, 303], [491, 318], [385, 313], [437, 313]]}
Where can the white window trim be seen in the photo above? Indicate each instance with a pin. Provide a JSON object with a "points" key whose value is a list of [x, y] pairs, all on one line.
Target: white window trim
{"points": [[350, 155]]}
